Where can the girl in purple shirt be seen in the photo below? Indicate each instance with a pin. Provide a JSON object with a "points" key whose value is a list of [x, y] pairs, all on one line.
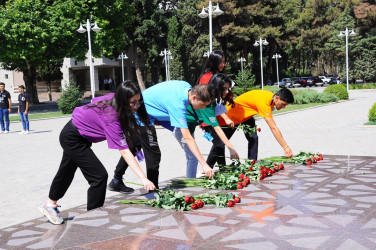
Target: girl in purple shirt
{"points": [[110, 118]]}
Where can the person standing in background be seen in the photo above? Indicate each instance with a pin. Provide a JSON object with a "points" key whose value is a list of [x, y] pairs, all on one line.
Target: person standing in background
{"points": [[5, 108], [105, 83], [23, 109], [110, 84]]}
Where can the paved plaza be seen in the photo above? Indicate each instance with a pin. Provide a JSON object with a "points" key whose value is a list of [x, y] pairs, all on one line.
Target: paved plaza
{"points": [[329, 206]]}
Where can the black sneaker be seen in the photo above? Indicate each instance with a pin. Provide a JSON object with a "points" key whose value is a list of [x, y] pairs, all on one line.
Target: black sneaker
{"points": [[119, 186]]}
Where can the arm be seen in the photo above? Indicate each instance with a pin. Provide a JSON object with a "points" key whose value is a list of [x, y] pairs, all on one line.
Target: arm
{"points": [[10, 105], [228, 121], [196, 152], [278, 136], [222, 136], [27, 108], [129, 158]]}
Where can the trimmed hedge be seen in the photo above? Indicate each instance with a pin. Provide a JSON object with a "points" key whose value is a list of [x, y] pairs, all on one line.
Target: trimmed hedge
{"points": [[372, 113], [307, 95], [312, 96], [338, 90]]}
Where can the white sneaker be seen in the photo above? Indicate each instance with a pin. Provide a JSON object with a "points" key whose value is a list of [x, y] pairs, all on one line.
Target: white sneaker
{"points": [[1, 131], [26, 132], [22, 132], [6, 132]]}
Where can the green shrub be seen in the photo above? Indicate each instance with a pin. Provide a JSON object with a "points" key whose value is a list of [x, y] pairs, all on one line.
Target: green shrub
{"points": [[69, 98], [312, 96], [338, 90], [325, 98], [273, 89], [372, 114], [245, 83]]}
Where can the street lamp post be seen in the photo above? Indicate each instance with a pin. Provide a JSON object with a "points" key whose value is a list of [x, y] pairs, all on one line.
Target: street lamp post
{"points": [[241, 60], [261, 42], [122, 57], [346, 33], [167, 56], [212, 12], [276, 56], [95, 28]]}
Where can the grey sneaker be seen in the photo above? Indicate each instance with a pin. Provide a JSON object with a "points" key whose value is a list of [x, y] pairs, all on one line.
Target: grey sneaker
{"points": [[52, 213], [119, 186]]}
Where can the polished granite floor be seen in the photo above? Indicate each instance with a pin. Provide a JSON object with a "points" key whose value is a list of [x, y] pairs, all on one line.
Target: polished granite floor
{"points": [[331, 205]]}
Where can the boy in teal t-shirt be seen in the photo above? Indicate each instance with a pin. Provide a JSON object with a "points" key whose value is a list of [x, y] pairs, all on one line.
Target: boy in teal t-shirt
{"points": [[207, 116], [167, 103]]}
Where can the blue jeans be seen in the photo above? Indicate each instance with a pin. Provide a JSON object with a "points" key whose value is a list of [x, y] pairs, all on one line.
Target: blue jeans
{"points": [[24, 120], [4, 113], [191, 159]]}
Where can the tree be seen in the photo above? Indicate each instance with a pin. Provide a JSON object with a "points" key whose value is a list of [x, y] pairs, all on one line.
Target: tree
{"points": [[194, 34], [246, 81], [148, 35], [49, 72], [337, 45], [364, 66], [175, 44], [33, 30]]}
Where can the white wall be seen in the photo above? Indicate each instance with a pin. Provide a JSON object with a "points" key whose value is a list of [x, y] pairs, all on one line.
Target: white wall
{"points": [[6, 76]]}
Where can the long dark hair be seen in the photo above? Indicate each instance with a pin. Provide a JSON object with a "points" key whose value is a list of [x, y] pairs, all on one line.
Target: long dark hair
{"points": [[217, 81], [213, 62], [125, 91]]}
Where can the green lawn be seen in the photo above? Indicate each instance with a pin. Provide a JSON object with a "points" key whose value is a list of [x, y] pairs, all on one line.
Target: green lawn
{"points": [[370, 123], [40, 116]]}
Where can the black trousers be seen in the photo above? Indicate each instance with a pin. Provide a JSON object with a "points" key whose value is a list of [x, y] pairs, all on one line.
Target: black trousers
{"points": [[216, 149], [78, 154], [149, 142], [217, 152]]}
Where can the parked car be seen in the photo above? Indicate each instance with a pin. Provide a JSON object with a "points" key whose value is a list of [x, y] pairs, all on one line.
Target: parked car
{"points": [[285, 82], [294, 81], [314, 81], [334, 79], [325, 79], [303, 82]]}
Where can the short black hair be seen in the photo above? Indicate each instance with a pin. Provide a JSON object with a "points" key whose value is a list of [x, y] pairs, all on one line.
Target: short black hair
{"points": [[285, 95], [1, 83]]}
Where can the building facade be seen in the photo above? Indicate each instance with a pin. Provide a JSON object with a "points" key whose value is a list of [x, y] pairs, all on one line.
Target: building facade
{"points": [[79, 72]]}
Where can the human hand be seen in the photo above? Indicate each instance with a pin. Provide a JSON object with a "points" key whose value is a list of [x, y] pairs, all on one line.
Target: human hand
{"points": [[288, 152], [233, 154], [230, 123], [209, 172], [148, 185]]}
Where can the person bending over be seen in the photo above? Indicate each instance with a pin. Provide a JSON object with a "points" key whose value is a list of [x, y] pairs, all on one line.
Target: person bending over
{"points": [[110, 117], [249, 104]]}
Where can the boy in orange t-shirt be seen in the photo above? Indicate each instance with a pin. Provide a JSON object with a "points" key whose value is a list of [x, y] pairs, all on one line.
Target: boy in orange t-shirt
{"points": [[249, 104]]}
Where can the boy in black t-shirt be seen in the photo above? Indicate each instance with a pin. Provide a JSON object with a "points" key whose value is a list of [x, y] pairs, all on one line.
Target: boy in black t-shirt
{"points": [[5, 108], [23, 108]]}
